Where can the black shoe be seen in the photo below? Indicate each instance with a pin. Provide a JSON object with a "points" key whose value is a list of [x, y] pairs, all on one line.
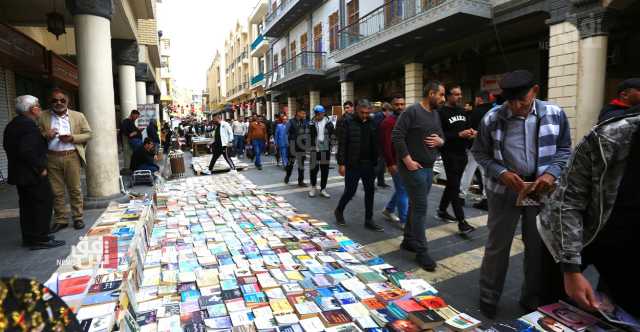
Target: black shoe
{"points": [[373, 226], [57, 227], [464, 227], [286, 179], [445, 216], [426, 262], [383, 185], [488, 310], [259, 168], [407, 247], [302, 185], [482, 205], [45, 244], [339, 218], [78, 224]]}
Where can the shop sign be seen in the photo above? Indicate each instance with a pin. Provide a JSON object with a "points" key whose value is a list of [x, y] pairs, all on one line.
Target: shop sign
{"points": [[63, 70], [490, 83], [21, 49], [147, 112]]}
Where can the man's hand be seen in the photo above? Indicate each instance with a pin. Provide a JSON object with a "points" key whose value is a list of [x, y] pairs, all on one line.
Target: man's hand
{"points": [[433, 141], [133, 133], [544, 184], [473, 133], [52, 133], [512, 181], [393, 169], [341, 170], [464, 134], [579, 289], [66, 138], [44, 173], [411, 164]]}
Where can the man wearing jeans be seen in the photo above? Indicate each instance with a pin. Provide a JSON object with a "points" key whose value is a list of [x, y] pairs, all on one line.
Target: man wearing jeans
{"points": [[416, 138], [257, 135], [399, 198], [239, 130]]}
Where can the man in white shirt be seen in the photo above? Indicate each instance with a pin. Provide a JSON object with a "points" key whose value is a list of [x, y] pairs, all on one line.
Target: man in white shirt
{"points": [[239, 130], [67, 133]]}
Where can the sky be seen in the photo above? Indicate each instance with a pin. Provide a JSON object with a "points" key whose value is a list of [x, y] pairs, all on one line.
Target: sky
{"points": [[197, 28]]}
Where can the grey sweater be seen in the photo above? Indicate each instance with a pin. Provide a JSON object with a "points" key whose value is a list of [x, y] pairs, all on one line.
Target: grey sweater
{"points": [[413, 126]]}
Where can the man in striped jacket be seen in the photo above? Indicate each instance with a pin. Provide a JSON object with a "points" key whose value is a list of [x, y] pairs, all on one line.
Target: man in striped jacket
{"points": [[523, 140]]}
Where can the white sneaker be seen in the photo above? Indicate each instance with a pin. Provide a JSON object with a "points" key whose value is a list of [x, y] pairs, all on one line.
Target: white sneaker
{"points": [[390, 216], [324, 193], [313, 192]]}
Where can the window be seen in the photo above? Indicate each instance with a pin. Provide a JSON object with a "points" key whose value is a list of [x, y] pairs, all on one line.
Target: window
{"points": [[333, 31], [293, 50], [353, 14], [303, 42], [393, 12], [317, 38]]}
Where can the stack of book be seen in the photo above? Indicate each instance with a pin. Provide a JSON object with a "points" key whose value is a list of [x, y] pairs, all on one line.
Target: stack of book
{"points": [[200, 164]]}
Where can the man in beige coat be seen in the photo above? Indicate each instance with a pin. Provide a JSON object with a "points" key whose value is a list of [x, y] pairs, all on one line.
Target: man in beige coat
{"points": [[67, 133]]}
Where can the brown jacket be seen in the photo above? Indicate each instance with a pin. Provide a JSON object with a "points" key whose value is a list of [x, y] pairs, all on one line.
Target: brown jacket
{"points": [[257, 130], [80, 130]]}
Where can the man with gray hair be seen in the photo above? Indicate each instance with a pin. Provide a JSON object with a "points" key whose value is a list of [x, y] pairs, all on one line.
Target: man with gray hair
{"points": [[27, 154]]}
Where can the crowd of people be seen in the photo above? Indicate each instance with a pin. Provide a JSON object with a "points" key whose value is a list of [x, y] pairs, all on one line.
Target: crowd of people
{"points": [[576, 206]]}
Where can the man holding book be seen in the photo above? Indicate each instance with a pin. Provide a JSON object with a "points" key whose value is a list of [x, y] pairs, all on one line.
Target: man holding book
{"points": [[523, 140]]}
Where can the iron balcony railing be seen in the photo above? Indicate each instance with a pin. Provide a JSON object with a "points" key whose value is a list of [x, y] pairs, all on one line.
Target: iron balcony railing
{"points": [[257, 42], [257, 79], [306, 60], [382, 18], [284, 6]]}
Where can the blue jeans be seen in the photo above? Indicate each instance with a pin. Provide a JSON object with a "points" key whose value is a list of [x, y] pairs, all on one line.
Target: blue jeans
{"points": [[258, 148], [238, 145], [148, 167], [284, 154], [400, 199], [134, 143], [418, 185]]}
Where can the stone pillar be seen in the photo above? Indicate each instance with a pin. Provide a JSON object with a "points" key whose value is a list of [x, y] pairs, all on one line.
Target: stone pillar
{"points": [[150, 99], [413, 84], [346, 92], [260, 109], [293, 106], [275, 107], [314, 99], [127, 58], [141, 92], [93, 44], [269, 111]]}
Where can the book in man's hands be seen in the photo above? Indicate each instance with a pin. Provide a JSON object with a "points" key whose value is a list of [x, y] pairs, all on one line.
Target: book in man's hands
{"points": [[527, 197], [569, 315]]}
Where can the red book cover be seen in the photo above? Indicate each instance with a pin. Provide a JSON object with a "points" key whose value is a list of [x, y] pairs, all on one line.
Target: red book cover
{"points": [[73, 286], [432, 302], [403, 325], [373, 304], [409, 305], [335, 317]]}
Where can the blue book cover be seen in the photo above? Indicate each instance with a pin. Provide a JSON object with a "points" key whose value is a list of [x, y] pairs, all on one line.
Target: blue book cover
{"points": [[190, 295]]}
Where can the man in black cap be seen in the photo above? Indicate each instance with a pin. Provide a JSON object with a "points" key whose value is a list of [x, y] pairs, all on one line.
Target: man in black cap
{"points": [[523, 140], [628, 98]]}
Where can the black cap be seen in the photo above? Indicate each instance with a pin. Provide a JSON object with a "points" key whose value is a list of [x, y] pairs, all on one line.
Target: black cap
{"points": [[629, 83], [516, 84]]}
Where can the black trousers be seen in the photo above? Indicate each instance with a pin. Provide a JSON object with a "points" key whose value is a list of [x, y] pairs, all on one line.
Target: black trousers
{"points": [[296, 157], [454, 164], [36, 204], [352, 176], [319, 162], [221, 151], [380, 170]]}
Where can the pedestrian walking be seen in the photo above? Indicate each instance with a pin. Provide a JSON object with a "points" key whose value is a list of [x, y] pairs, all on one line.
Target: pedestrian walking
{"points": [[357, 157], [627, 101], [257, 136], [299, 145], [222, 141], [321, 130], [378, 117], [67, 133], [522, 140], [592, 218], [417, 136], [399, 201], [347, 112], [26, 150], [281, 140], [457, 134]]}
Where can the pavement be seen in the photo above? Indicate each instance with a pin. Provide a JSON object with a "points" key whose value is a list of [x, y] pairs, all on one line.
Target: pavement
{"points": [[458, 258]]}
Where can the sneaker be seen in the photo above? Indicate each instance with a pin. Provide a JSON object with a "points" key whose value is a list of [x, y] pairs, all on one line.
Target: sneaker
{"points": [[426, 262], [383, 185], [464, 227], [286, 179], [259, 168], [445, 216], [302, 185], [324, 193], [313, 192], [390, 216], [339, 218], [373, 226]]}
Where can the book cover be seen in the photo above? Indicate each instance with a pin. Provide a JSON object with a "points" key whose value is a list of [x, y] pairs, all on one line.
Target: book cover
{"points": [[462, 322], [569, 315], [403, 325], [335, 317], [426, 319]]}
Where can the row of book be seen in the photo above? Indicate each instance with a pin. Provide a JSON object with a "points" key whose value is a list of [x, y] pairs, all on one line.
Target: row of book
{"points": [[200, 164]]}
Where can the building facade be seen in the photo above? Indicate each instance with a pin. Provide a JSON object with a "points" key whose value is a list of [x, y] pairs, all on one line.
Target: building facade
{"points": [[238, 69], [215, 90]]}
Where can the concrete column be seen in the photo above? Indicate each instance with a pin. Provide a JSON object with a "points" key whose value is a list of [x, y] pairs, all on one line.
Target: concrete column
{"points": [[293, 106], [413, 82], [269, 111], [260, 109], [93, 44], [128, 102], [150, 99], [141, 92], [314, 99], [346, 92], [592, 67], [275, 108]]}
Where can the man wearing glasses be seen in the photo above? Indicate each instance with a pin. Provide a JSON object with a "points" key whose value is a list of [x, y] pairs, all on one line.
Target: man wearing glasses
{"points": [[67, 133]]}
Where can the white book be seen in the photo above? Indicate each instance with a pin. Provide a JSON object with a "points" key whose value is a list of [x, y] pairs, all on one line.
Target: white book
{"points": [[313, 324]]}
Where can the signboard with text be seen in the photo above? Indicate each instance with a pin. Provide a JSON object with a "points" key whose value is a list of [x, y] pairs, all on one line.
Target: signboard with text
{"points": [[147, 112]]}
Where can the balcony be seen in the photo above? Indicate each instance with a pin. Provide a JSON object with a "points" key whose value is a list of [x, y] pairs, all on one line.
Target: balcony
{"points": [[286, 14], [257, 80], [260, 46], [306, 65], [258, 12], [409, 25]]}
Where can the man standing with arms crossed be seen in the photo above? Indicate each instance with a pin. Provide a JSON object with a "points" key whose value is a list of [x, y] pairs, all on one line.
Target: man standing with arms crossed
{"points": [[416, 138], [67, 133], [522, 140]]}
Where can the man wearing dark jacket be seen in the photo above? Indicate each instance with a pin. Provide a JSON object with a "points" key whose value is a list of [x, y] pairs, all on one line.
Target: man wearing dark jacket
{"points": [[298, 134], [628, 98], [357, 158], [152, 133], [457, 134], [26, 150], [321, 132], [144, 157]]}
